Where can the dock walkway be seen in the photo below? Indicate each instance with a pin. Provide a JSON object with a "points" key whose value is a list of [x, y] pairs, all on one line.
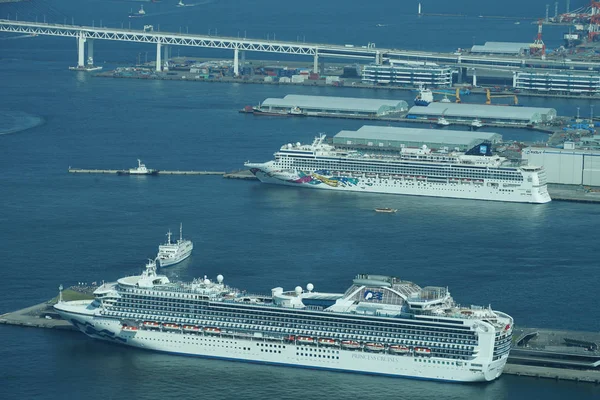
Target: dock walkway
{"points": [[114, 171]]}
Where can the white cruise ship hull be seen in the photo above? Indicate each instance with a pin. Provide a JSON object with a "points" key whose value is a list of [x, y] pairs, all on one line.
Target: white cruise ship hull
{"points": [[166, 262], [258, 350], [460, 189]]}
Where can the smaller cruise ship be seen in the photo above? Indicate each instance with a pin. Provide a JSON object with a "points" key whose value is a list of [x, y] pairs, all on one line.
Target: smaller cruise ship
{"points": [[140, 170], [172, 253]]}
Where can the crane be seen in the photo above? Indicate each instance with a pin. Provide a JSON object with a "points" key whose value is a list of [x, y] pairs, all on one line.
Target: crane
{"points": [[488, 97]]}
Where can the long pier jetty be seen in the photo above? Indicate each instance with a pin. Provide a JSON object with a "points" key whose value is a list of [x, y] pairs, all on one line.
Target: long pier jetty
{"points": [[114, 171], [537, 353]]}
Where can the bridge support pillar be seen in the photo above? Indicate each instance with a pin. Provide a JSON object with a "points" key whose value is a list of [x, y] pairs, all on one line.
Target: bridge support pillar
{"points": [[316, 62], [236, 62], [514, 79], [459, 77], [474, 77], [90, 59], [158, 61], [165, 60], [81, 50]]}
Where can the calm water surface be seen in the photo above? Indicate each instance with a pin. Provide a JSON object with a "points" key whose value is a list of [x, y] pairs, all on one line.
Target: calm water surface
{"points": [[538, 263]]}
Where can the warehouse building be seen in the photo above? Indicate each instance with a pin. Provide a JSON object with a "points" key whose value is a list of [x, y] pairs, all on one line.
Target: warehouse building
{"points": [[506, 48], [557, 82], [334, 105], [567, 166], [407, 74], [394, 138], [461, 112]]}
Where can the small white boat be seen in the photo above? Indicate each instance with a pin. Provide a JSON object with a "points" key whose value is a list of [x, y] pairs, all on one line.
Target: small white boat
{"points": [[140, 170], [140, 13], [443, 121], [476, 123], [386, 210], [172, 253]]}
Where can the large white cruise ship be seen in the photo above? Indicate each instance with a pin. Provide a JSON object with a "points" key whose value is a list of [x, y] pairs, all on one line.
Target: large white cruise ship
{"points": [[381, 325], [475, 174], [172, 253]]}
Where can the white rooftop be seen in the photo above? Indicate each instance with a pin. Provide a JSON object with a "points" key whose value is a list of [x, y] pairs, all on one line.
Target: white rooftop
{"points": [[500, 47], [481, 111], [335, 103], [391, 133]]}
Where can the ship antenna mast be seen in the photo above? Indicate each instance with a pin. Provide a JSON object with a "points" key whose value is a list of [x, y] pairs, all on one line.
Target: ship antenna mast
{"points": [[180, 231]]}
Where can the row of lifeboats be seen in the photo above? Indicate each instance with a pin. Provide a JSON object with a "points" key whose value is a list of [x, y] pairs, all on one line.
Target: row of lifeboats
{"points": [[355, 345], [177, 327]]}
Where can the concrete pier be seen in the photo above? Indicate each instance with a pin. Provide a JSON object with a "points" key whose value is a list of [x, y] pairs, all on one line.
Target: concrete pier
{"points": [[114, 171]]}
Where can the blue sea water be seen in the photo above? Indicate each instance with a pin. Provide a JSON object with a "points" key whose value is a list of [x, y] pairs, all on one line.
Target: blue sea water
{"points": [[537, 263]]}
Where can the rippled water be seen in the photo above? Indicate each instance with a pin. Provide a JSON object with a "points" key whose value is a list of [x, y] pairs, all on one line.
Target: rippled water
{"points": [[537, 263]]}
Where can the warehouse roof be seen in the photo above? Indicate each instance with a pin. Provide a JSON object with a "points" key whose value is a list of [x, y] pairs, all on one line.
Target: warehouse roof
{"points": [[396, 134], [481, 111], [336, 103], [500, 48]]}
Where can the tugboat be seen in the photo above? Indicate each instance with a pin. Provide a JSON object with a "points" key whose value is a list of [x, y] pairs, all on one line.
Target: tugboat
{"points": [[139, 14], [140, 170], [476, 123]]}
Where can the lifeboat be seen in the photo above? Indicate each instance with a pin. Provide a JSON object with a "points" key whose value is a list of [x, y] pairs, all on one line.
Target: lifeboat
{"points": [[150, 324], [421, 178], [350, 344], [171, 327], [191, 328], [129, 328], [290, 338], [304, 340], [327, 342], [212, 330], [374, 346], [424, 351], [399, 349]]}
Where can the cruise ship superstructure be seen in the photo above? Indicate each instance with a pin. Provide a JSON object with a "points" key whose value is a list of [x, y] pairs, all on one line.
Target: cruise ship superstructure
{"points": [[475, 174], [381, 325]]}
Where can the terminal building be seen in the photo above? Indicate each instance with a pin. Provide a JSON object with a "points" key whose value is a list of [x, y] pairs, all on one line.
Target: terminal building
{"points": [[557, 82], [312, 105], [407, 74], [569, 166], [388, 138], [491, 114]]}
